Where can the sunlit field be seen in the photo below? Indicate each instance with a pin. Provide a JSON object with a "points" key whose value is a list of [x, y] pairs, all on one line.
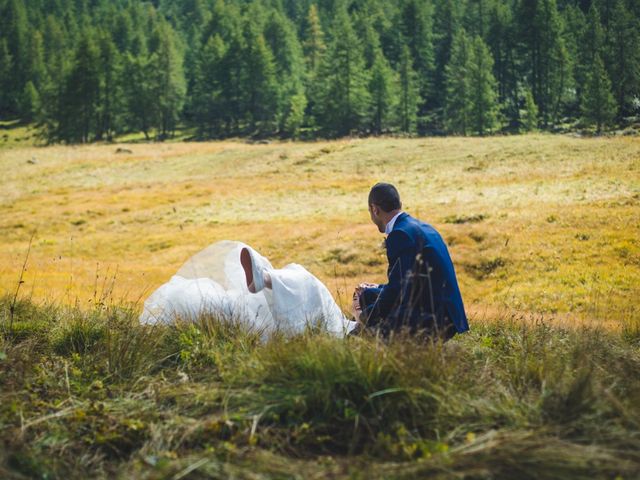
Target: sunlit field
{"points": [[538, 224]]}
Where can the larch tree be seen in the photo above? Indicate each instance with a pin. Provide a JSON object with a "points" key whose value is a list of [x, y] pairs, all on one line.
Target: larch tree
{"points": [[261, 83], [140, 94], [624, 55], [530, 117], [110, 102], [343, 100], [168, 80], [457, 109], [383, 88], [314, 48], [14, 28], [208, 94], [290, 72], [546, 62], [408, 92], [77, 112], [598, 105], [6, 67], [483, 95], [416, 26]]}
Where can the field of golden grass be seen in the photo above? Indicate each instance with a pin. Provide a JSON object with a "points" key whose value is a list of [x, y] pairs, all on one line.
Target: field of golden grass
{"points": [[538, 224]]}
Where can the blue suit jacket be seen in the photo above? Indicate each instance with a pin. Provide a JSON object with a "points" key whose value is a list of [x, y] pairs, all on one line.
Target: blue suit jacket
{"points": [[422, 290]]}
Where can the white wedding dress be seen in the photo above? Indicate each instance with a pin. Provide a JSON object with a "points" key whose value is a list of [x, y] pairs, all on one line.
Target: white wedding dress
{"points": [[213, 282]]}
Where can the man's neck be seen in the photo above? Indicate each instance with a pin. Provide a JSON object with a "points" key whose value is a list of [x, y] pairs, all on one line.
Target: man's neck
{"points": [[390, 220]]}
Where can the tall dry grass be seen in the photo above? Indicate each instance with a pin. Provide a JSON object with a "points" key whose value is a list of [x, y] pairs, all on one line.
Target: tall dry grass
{"points": [[90, 393]]}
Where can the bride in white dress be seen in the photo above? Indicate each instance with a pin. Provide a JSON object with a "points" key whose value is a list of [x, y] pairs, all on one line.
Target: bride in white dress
{"points": [[232, 281]]}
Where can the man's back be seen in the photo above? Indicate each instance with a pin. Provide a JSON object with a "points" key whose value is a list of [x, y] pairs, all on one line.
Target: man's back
{"points": [[429, 283]]}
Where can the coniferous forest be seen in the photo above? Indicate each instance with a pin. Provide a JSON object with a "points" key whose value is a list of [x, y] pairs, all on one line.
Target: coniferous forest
{"points": [[90, 70]]}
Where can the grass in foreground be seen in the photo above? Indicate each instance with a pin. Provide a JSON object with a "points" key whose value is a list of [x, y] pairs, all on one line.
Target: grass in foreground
{"points": [[94, 394]]}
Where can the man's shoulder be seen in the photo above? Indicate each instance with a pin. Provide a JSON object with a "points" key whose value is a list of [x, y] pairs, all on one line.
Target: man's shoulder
{"points": [[418, 231], [410, 224]]}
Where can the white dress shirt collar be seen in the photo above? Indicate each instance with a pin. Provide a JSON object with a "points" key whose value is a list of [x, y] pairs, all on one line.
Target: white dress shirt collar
{"points": [[392, 222]]}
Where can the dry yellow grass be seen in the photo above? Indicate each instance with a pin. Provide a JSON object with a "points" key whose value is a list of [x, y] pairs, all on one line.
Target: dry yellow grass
{"points": [[550, 223]]}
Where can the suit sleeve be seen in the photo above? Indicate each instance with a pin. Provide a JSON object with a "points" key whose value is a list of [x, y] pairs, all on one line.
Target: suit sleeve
{"points": [[401, 257]]}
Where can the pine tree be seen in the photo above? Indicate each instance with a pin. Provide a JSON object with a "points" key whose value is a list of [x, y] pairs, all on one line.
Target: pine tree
{"points": [[208, 88], [598, 104], [409, 97], [226, 22], [502, 41], [546, 59], [6, 67], [343, 100], [530, 118], [110, 100], [261, 86], [457, 112], [314, 45], [123, 31], [142, 112], [484, 105], [383, 90], [35, 69], [29, 102], [14, 29], [290, 73], [593, 40], [365, 30], [446, 25], [314, 49], [168, 79], [55, 50], [624, 55], [76, 115], [417, 31]]}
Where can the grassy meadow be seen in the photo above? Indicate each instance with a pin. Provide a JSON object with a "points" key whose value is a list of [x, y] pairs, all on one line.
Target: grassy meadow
{"points": [[544, 232], [538, 223]]}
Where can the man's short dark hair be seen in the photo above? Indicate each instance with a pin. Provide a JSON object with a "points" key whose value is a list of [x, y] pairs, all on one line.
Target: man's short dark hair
{"points": [[386, 196]]}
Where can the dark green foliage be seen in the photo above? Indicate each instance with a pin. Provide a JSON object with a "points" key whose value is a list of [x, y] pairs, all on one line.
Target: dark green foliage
{"points": [[208, 99], [624, 57], [76, 116], [260, 81], [384, 93], [598, 105], [408, 91], [417, 32], [29, 101], [314, 50], [343, 99], [457, 111], [546, 60], [167, 82], [142, 109], [530, 117], [290, 73], [14, 30], [483, 114], [221, 68], [6, 67]]}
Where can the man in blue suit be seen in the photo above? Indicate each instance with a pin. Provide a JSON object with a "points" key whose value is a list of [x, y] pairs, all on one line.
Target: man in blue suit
{"points": [[422, 292]]}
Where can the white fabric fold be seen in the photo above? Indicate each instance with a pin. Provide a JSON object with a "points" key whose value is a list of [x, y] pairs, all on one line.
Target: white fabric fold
{"points": [[213, 282]]}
